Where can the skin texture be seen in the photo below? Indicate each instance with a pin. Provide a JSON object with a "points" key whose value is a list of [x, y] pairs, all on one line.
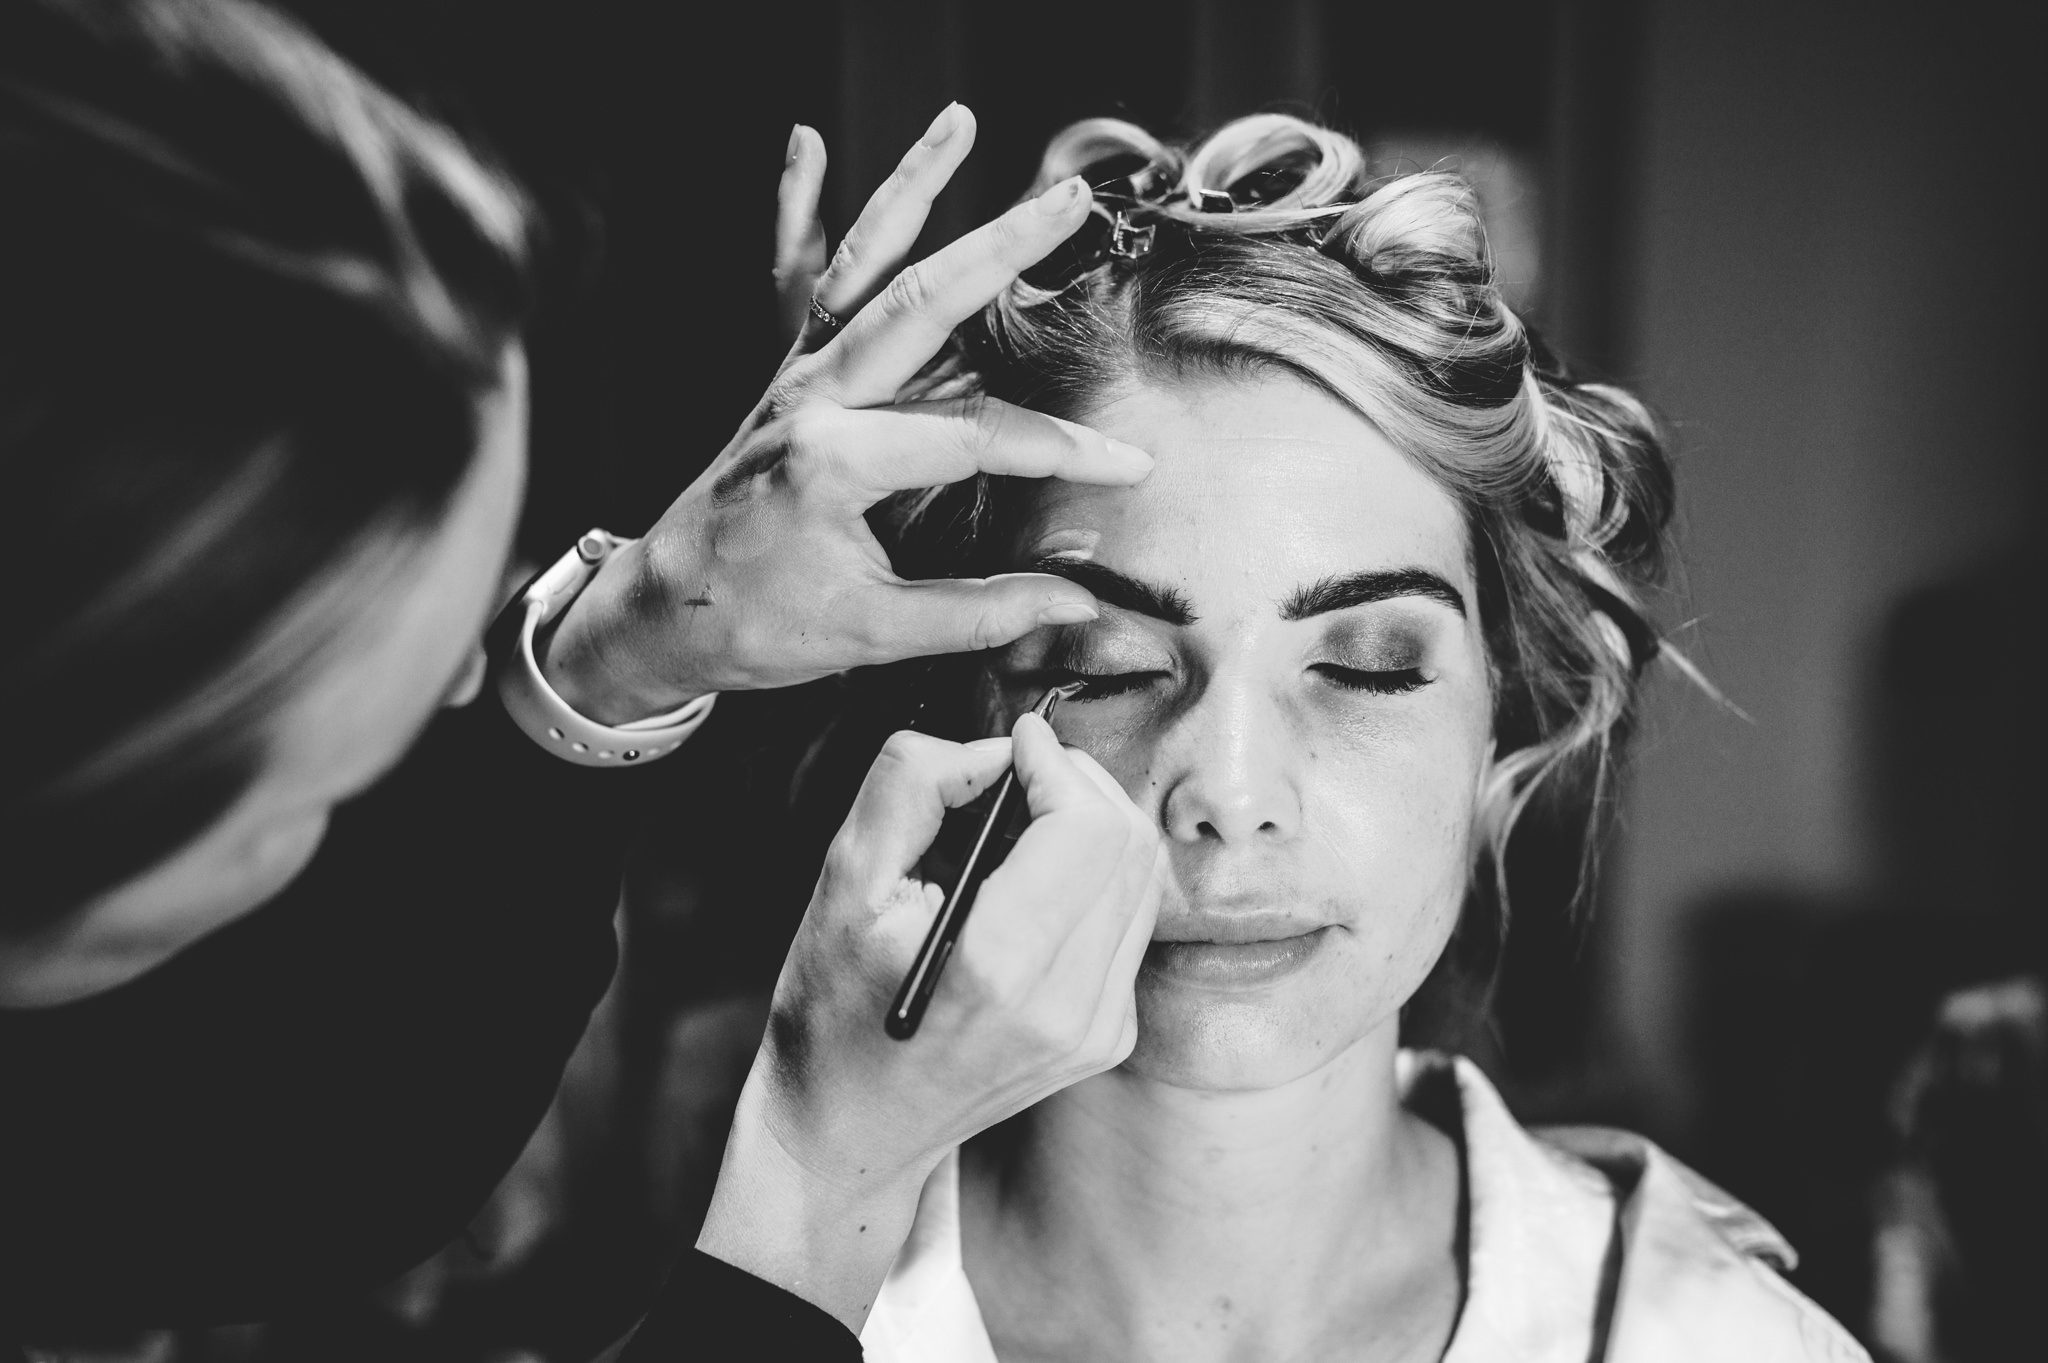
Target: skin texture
{"points": [[1247, 1184], [381, 680]]}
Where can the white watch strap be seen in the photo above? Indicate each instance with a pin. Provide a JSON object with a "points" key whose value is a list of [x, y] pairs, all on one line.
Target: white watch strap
{"points": [[543, 715]]}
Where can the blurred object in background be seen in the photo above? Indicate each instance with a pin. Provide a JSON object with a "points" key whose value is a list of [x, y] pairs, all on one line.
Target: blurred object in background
{"points": [[1803, 1007], [1959, 1257]]}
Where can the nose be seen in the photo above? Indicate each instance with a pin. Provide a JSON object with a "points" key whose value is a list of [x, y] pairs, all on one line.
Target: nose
{"points": [[1230, 769]]}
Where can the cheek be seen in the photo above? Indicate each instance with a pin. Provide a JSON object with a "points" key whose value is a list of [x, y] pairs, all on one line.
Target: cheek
{"points": [[1397, 803]]}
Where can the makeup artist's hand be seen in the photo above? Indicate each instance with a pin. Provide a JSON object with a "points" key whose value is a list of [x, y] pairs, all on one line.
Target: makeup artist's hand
{"points": [[764, 572], [839, 1125]]}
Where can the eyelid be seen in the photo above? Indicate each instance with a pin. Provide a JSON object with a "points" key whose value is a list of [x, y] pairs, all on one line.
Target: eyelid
{"points": [[1392, 681]]}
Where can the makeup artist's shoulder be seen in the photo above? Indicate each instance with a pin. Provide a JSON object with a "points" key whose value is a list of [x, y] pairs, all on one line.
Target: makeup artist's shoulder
{"points": [[1700, 1275]]}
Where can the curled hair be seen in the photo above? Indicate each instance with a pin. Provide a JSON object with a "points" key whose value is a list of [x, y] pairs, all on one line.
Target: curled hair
{"points": [[249, 303], [1270, 246]]}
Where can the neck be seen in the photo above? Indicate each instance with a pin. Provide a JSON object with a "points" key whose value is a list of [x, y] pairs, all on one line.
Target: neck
{"points": [[1180, 1223]]}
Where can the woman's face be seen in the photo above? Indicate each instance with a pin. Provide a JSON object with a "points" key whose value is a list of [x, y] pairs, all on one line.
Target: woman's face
{"points": [[1288, 674], [398, 658]]}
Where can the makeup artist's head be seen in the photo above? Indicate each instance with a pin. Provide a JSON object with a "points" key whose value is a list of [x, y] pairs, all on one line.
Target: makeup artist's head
{"points": [[262, 433], [1380, 593]]}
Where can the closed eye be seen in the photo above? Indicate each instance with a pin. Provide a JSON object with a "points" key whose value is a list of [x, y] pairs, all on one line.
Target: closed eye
{"points": [[1390, 683], [1102, 685]]}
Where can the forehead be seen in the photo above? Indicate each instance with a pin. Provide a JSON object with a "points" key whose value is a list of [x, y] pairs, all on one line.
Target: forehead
{"points": [[1263, 482]]}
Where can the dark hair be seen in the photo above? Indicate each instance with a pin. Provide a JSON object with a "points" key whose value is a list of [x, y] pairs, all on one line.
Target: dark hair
{"points": [[1271, 245], [248, 305]]}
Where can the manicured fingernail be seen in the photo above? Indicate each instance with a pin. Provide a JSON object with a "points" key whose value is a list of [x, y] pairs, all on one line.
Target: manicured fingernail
{"points": [[1129, 454], [1067, 613], [796, 141], [943, 127], [1061, 196]]}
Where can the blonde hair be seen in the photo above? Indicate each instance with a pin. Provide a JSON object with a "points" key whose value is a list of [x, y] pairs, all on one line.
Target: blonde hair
{"points": [[1271, 245]]}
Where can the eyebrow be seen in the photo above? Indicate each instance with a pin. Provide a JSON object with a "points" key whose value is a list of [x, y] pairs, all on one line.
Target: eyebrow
{"points": [[1120, 589], [1336, 592], [1333, 593]]}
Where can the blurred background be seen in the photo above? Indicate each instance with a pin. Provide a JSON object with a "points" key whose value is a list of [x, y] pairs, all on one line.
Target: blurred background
{"points": [[1804, 231]]}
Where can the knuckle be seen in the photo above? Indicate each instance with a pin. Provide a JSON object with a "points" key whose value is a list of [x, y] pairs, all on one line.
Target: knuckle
{"points": [[909, 292], [981, 419], [806, 436], [790, 391], [1011, 235], [815, 441], [990, 629], [840, 868], [845, 257], [906, 751]]}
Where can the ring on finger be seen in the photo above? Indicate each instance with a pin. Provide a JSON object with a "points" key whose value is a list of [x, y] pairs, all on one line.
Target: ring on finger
{"points": [[825, 314]]}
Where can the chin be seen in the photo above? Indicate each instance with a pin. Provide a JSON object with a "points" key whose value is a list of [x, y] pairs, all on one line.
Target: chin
{"points": [[1232, 1041]]}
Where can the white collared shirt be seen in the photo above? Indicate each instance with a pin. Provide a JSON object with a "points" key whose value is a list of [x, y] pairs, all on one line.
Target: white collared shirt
{"points": [[1691, 1277]]}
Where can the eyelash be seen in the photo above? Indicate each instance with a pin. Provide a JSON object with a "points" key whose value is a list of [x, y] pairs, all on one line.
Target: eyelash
{"points": [[1392, 683], [1103, 685]]}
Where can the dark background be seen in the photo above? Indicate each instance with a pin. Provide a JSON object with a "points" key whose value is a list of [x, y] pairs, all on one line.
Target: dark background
{"points": [[1805, 232]]}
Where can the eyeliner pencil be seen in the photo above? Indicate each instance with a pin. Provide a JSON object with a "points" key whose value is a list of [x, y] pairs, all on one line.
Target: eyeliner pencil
{"points": [[987, 853]]}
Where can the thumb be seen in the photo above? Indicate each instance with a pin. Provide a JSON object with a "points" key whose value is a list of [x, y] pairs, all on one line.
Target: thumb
{"points": [[966, 614], [915, 779]]}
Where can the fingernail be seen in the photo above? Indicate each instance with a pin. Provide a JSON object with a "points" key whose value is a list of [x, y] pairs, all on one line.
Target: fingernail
{"points": [[1130, 454], [1061, 196], [796, 140], [1067, 613], [943, 127]]}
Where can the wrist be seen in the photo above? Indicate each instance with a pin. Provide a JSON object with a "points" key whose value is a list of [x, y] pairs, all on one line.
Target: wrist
{"points": [[825, 1233], [595, 654]]}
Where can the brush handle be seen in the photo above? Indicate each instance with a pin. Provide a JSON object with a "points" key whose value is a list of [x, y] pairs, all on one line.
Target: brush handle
{"points": [[915, 995], [1004, 824]]}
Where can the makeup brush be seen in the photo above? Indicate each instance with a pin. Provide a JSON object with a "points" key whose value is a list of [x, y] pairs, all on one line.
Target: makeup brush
{"points": [[999, 831]]}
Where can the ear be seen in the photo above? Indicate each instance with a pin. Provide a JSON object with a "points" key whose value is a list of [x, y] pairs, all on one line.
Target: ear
{"points": [[265, 858], [469, 683]]}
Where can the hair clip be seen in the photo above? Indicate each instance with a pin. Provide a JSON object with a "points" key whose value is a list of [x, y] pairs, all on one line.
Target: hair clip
{"points": [[1129, 240], [1212, 201]]}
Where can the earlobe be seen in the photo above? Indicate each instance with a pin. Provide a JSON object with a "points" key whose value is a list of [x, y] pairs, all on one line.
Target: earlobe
{"points": [[469, 683], [273, 854]]}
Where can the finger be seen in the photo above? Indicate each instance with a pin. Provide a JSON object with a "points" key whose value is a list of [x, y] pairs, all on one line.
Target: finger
{"points": [[915, 779], [926, 444], [799, 232], [1053, 782], [891, 339], [1137, 936], [1115, 1001], [887, 228], [1101, 942], [1112, 790], [928, 616]]}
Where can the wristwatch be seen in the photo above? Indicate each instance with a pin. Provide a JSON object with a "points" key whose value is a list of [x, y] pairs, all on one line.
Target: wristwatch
{"points": [[541, 713]]}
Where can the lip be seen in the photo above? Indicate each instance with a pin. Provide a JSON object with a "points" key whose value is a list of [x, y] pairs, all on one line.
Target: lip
{"points": [[1215, 920], [1238, 962]]}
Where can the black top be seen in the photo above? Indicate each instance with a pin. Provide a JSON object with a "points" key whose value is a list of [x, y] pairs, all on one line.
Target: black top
{"points": [[320, 1095]]}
